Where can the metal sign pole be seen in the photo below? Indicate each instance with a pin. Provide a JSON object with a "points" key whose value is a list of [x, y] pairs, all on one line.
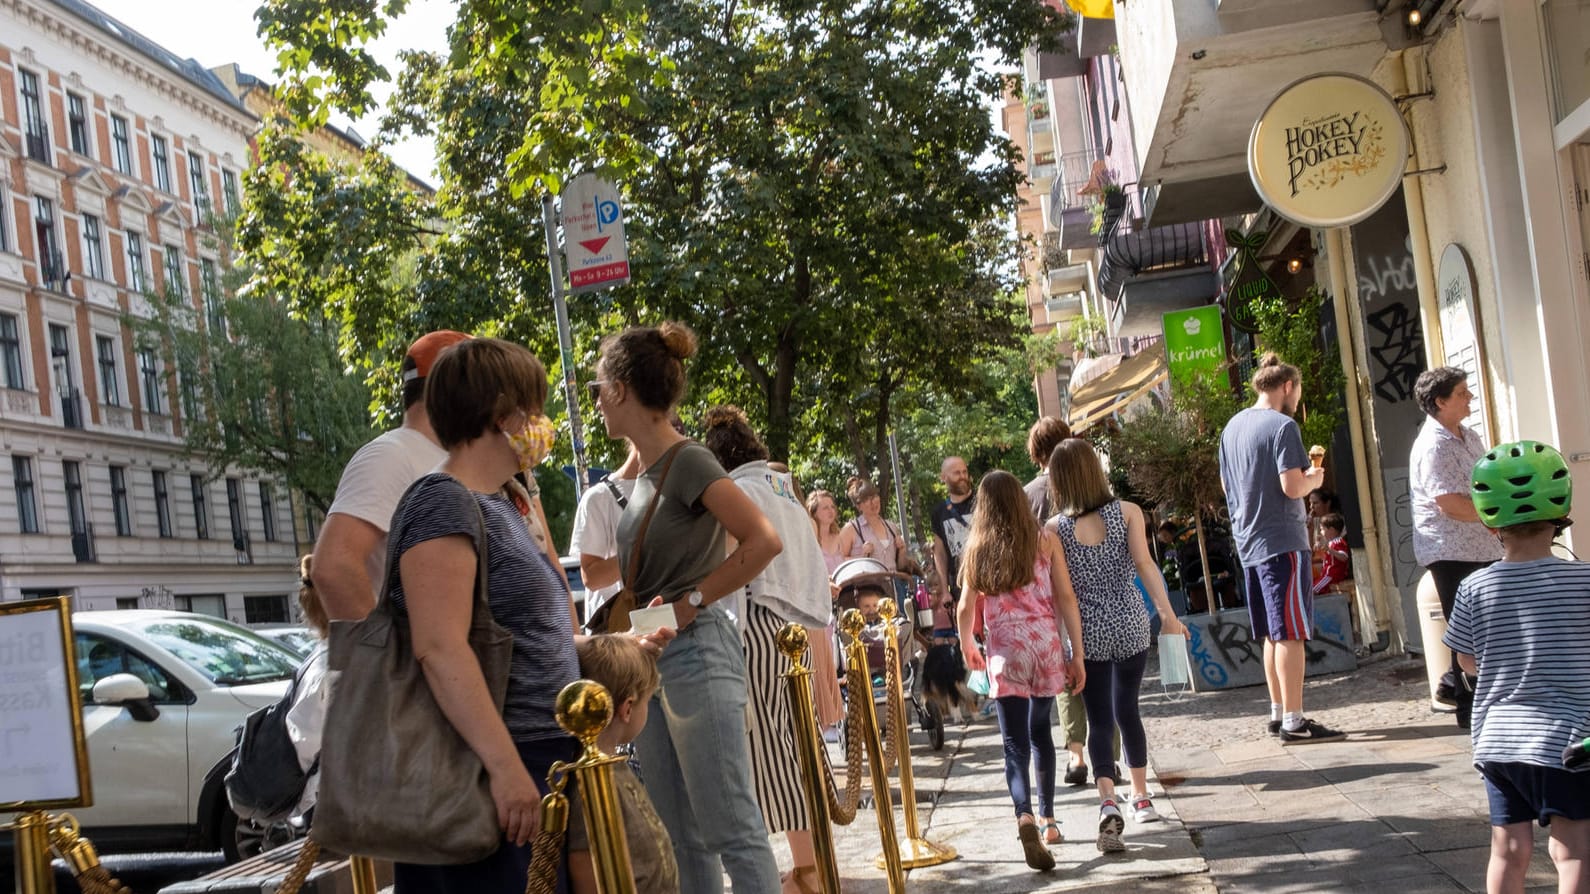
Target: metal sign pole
{"points": [[571, 388], [899, 493]]}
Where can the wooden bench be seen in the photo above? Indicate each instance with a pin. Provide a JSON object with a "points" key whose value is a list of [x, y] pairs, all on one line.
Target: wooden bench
{"points": [[264, 873]]}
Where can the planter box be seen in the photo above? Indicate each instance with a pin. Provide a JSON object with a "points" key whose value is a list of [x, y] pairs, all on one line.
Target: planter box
{"points": [[1224, 654]]}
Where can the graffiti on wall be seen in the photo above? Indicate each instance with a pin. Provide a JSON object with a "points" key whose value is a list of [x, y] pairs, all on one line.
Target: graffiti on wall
{"points": [[1224, 654]]}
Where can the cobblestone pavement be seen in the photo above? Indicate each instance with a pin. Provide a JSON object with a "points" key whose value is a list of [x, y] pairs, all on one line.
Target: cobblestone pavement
{"points": [[1397, 804]]}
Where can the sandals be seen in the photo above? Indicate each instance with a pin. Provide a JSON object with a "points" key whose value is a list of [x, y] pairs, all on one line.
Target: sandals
{"points": [[1051, 831], [804, 879], [1032, 847]]}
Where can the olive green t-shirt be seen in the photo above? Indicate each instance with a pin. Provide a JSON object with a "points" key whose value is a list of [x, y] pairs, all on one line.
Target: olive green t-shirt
{"points": [[684, 542]]}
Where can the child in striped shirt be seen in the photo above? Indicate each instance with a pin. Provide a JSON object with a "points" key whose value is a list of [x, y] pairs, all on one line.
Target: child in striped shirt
{"points": [[1521, 625]]}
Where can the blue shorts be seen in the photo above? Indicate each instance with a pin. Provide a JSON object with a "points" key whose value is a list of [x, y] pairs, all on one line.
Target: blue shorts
{"points": [[1523, 793], [1281, 597]]}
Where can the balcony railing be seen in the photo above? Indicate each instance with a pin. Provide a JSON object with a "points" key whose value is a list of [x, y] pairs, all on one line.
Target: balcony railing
{"points": [[1154, 250], [37, 145], [72, 408], [1075, 169], [83, 545]]}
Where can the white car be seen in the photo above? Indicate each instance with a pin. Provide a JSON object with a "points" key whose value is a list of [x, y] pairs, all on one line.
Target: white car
{"points": [[163, 694]]}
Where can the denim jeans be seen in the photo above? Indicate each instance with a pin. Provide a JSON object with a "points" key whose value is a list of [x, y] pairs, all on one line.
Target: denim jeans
{"points": [[696, 756]]}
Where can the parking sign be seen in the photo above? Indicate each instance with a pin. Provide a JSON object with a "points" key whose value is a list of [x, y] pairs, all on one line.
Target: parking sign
{"points": [[593, 232]]}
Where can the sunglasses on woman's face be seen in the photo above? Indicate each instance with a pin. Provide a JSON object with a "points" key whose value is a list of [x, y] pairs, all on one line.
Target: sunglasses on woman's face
{"points": [[595, 388]]}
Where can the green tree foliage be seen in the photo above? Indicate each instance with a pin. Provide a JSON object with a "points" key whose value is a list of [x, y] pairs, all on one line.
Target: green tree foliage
{"points": [[816, 188], [1291, 328], [262, 388]]}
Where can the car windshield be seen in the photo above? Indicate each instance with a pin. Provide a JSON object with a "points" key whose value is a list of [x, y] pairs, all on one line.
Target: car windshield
{"points": [[226, 655], [301, 642]]}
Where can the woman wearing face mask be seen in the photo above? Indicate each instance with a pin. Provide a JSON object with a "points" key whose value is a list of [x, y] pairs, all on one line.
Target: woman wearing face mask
{"points": [[485, 400]]}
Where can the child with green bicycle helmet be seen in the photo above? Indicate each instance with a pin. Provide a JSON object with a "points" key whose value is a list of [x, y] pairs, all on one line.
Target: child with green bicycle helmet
{"points": [[1521, 625]]}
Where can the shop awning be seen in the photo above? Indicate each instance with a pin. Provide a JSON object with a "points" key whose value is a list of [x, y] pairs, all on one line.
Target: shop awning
{"points": [[1135, 377]]}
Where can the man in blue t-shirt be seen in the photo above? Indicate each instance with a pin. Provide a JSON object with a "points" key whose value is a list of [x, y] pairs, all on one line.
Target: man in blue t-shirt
{"points": [[1266, 473], [1521, 624]]}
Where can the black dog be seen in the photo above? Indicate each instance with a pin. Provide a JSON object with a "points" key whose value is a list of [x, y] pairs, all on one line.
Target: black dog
{"points": [[944, 679]]}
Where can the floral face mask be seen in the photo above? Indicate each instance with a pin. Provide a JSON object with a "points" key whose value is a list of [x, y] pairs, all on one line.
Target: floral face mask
{"points": [[534, 442]]}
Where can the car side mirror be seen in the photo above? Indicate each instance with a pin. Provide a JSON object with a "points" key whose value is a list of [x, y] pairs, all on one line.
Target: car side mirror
{"points": [[128, 691]]}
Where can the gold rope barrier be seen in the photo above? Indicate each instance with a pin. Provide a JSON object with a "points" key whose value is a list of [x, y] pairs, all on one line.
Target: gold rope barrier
{"points": [[793, 643], [916, 851], [38, 833], [32, 854], [851, 624]]}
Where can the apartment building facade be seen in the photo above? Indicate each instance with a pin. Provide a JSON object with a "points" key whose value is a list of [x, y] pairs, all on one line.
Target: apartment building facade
{"points": [[117, 159]]}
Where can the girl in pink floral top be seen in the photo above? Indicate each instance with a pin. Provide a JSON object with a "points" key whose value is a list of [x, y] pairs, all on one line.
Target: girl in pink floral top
{"points": [[1017, 572]]}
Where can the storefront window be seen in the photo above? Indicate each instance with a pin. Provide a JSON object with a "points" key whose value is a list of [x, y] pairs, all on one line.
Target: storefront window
{"points": [[1567, 24]]}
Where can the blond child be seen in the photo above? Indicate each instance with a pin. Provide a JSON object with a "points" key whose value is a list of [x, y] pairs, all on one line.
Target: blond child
{"points": [[629, 673]]}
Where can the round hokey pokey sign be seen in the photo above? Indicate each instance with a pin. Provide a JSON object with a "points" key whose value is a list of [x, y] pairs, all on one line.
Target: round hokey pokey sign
{"points": [[1328, 151]]}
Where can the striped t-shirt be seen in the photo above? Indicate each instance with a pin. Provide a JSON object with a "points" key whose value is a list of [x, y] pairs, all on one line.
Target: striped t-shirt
{"points": [[1527, 624], [525, 594]]}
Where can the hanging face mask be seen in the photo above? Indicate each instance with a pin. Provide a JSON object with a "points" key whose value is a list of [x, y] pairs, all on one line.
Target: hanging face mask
{"points": [[534, 442]]}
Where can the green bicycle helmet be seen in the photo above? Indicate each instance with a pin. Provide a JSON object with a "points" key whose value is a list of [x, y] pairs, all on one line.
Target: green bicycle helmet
{"points": [[1523, 481]]}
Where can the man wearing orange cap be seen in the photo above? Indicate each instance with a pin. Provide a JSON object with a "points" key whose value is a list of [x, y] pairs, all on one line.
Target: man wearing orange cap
{"points": [[350, 555]]}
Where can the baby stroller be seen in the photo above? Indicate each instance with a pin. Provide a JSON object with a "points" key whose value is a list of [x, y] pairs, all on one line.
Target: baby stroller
{"points": [[863, 584]]}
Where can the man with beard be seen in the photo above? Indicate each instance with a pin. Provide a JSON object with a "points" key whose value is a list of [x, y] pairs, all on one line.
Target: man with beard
{"points": [[952, 523], [1266, 473]]}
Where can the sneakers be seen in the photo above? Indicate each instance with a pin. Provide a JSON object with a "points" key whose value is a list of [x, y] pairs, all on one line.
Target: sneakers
{"points": [[1310, 731], [831, 735], [1275, 727], [1143, 810], [1110, 826]]}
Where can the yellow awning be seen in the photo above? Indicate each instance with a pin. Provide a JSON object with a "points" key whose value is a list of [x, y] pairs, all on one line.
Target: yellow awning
{"points": [[1093, 9], [1136, 376]]}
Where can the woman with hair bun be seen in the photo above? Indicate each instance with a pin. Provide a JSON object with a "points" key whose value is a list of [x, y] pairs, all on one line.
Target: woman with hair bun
{"points": [[793, 588], [694, 750]]}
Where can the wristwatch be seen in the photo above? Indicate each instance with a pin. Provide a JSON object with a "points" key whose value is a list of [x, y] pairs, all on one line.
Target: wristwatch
{"points": [[696, 598]]}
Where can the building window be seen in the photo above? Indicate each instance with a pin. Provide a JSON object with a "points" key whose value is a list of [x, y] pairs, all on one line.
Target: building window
{"points": [[201, 506], [234, 508], [5, 230], [27, 505], [124, 603], [162, 163], [77, 123], [265, 610], [135, 261], [174, 272], [149, 378], [49, 249], [267, 508], [35, 133], [109, 382], [93, 247], [188, 382], [234, 199], [118, 501], [11, 351], [121, 144], [200, 187], [66, 373], [162, 504], [214, 309], [76, 513]]}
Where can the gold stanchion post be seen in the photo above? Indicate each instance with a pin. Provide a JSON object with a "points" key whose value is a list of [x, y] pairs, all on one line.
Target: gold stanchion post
{"points": [[916, 851], [792, 641], [362, 872], [34, 875], [860, 686], [584, 708]]}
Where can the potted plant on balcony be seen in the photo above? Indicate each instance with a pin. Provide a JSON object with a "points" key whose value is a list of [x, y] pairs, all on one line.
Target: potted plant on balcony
{"points": [[1087, 332]]}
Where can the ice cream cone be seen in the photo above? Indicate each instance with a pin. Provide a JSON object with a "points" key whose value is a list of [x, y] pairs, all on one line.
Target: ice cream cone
{"points": [[1316, 456]]}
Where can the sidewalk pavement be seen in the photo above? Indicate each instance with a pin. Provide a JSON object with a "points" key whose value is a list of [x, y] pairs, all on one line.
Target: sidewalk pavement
{"points": [[1398, 802]]}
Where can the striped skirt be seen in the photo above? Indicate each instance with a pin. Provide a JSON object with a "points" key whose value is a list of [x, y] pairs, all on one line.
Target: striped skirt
{"points": [[775, 765]]}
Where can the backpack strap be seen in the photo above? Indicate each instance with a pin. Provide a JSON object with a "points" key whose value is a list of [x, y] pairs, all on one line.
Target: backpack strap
{"points": [[618, 496]]}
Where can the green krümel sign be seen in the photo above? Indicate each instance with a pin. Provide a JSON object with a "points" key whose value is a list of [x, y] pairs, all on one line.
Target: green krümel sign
{"points": [[1195, 342]]}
